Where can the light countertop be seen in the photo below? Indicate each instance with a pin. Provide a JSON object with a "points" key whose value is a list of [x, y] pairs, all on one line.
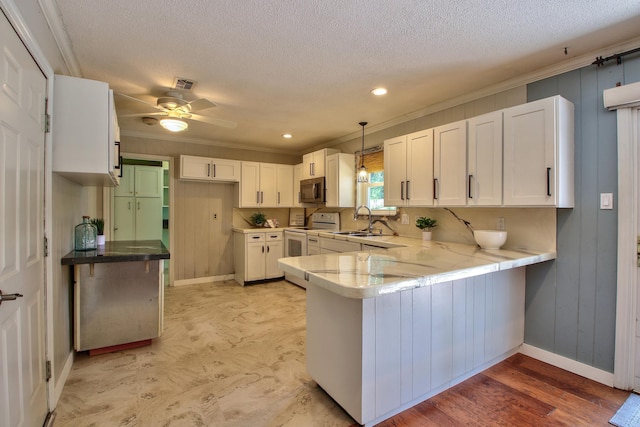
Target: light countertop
{"points": [[367, 274]]}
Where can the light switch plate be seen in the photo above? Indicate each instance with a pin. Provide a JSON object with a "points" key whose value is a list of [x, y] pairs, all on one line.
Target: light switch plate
{"points": [[405, 218], [606, 200]]}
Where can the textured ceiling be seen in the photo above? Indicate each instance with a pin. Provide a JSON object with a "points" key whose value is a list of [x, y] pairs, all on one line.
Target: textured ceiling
{"points": [[307, 66]]}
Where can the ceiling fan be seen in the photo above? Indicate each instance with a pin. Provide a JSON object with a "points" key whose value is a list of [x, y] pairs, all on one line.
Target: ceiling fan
{"points": [[175, 110]]}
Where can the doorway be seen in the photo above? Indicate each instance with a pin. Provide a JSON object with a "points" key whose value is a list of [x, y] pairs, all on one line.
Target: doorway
{"points": [[140, 207]]}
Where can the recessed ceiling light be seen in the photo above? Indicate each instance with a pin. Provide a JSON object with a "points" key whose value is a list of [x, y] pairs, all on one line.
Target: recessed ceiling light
{"points": [[379, 91], [287, 135]]}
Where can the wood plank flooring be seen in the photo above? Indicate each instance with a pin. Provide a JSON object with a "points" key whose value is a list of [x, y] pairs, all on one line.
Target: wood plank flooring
{"points": [[520, 391]]}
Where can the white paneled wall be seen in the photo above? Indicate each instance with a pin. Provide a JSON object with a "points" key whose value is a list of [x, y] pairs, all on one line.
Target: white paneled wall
{"points": [[379, 356]]}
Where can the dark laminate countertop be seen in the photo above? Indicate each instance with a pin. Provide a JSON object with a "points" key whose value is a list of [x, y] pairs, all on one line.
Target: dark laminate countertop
{"points": [[121, 251]]}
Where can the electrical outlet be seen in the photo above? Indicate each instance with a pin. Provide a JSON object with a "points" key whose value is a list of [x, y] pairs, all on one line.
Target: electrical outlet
{"points": [[500, 224], [405, 219]]}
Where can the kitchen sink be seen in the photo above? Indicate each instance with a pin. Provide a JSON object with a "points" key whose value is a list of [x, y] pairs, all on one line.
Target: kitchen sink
{"points": [[356, 233]]}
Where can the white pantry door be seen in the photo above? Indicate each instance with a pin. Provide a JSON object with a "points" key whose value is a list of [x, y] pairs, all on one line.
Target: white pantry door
{"points": [[22, 340]]}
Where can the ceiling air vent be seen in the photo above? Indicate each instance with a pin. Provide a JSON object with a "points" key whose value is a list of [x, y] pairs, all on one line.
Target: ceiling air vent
{"points": [[181, 83]]}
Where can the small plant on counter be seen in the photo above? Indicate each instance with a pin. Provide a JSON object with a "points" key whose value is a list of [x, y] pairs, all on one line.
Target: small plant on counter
{"points": [[99, 223], [425, 224], [258, 219]]}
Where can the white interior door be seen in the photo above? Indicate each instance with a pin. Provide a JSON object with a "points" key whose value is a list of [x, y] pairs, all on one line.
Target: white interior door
{"points": [[22, 339]]}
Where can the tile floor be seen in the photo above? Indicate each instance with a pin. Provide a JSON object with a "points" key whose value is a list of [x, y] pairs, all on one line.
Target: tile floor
{"points": [[228, 356]]}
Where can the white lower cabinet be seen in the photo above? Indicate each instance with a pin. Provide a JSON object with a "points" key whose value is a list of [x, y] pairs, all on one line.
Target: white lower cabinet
{"points": [[379, 356], [256, 255]]}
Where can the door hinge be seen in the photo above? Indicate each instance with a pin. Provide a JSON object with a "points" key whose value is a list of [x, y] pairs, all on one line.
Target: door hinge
{"points": [[48, 370], [47, 117], [46, 246]]}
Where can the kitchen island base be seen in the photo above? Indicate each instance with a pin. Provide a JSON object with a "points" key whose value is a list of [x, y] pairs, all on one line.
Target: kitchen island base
{"points": [[379, 356]]}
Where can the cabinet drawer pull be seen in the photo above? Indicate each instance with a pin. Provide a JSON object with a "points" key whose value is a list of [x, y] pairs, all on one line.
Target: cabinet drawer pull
{"points": [[548, 181], [470, 178], [435, 188]]}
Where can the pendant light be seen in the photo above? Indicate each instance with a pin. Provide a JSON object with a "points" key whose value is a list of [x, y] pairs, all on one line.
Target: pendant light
{"points": [[363, 175]]}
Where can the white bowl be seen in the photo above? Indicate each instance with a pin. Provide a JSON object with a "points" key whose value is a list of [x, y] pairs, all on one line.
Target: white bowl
{"points": [[490, 239]]}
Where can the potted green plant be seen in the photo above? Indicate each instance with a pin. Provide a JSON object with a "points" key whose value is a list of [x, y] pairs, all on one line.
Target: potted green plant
{"points": [[99, 224], [258, 219], [426, 224]]}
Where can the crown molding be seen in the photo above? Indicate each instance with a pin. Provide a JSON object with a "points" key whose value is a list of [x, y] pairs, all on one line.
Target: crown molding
{"points": [[54, 19], [543, 73]]}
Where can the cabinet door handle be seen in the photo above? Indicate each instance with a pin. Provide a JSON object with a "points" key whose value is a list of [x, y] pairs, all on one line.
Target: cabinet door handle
{"points": [[267, 248], [209, 169], [261, 197], [548, 181], [138, 205], [310, 169], [469, 193], [407, 190], [435, 188], [257, 197], [214, 170], [401, 190], [262, 248], [129, 205], [278, 197], [121, 167]]}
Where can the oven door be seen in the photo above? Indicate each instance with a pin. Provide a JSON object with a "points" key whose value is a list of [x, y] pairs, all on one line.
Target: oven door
{"points": [[295, 243]]}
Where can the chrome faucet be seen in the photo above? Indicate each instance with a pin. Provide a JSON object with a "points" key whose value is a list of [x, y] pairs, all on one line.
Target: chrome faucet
{"points": [[355, 216]]}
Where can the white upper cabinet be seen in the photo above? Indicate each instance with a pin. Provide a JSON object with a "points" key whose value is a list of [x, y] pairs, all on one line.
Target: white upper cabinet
{"points": [[84, 131], [484, 160], [450, 164], [313, 164], [408, 169], [538, 154], [340, 180], [297, 176], [209, 169], [266, 185]]}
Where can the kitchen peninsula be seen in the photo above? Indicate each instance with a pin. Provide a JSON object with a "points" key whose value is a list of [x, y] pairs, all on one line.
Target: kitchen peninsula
{"points": [[119, 292], [389, 328]]}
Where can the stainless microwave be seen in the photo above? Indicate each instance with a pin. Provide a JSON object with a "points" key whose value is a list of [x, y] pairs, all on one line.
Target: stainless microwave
{"points": [[312, 190]]}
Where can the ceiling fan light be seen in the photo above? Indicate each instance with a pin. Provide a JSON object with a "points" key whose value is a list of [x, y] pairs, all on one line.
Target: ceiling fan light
{"points": [[174, 125]]}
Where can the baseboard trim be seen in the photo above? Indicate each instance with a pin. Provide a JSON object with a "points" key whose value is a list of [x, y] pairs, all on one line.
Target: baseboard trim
{"points": [[567, 364], [207, 279]]}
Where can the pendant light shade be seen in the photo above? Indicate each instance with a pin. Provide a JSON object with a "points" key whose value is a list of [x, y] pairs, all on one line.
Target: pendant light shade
{"points": [[363, 175]]}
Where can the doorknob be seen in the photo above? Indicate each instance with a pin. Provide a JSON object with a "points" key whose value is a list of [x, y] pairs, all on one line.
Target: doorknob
{"points": [[8, 297]]}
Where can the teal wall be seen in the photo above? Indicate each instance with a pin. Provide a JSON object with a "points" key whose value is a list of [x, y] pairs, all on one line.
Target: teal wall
{"points": [[571, 302]]}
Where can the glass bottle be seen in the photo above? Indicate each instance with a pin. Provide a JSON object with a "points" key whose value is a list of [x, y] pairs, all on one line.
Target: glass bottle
{"points": [[86, 235]]}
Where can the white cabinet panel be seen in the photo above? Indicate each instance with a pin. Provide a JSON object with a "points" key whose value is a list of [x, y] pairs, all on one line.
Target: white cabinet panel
{"points": [[484, 160], [209, 169], [266, 185], [450, 161], [84, 132], [138, 204], [148, 218], [538, 154], [313, 164], [408, 170], [124, 218], [340, 180]]}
